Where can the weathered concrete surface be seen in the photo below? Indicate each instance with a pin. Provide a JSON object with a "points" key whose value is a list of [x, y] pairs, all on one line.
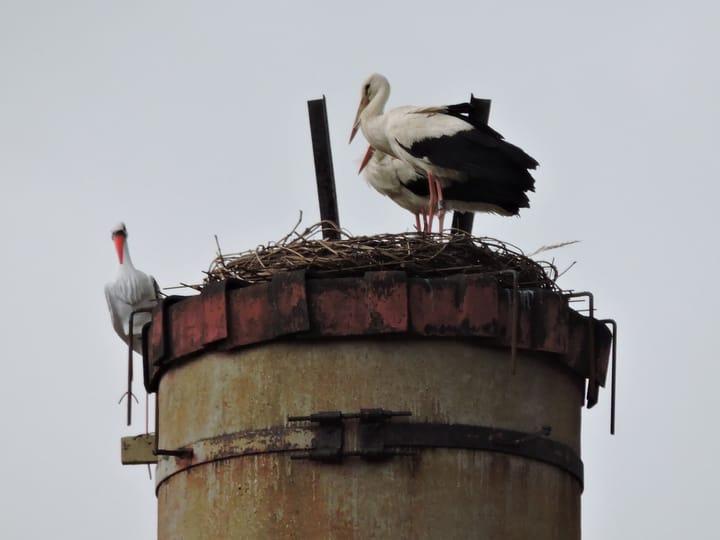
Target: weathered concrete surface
{"points": [[442, 493]]}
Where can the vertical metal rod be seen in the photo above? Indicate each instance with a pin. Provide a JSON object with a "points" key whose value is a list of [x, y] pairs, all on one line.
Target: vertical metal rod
{"points": [[324, 173], [147, 422], [130, 368], [463, 221], [131, 342], [157, 421], [479, 109], [479, 113], [612, 323], [612, 383]]}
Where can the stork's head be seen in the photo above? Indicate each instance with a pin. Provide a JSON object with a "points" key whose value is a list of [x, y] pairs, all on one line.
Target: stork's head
{"points": [[119, 235], [371, 87]]}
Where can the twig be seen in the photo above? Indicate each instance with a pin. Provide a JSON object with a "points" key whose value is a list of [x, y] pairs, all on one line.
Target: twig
{"points": [[548, 247], [219, 251], [565, 271], [288, 235]]}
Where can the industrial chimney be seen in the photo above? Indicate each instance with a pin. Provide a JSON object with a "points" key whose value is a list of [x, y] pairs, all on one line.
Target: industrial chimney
{"points": [[379, 406]]}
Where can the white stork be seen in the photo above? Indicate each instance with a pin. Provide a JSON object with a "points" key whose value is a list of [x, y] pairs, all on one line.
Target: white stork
{"points": [[400, 182], [409, 189], [451, 150], [132, 290]]}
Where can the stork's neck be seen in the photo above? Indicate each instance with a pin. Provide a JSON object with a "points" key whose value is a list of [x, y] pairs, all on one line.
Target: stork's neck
{"points": [[376, 106], [374, 129], [373, 121]]}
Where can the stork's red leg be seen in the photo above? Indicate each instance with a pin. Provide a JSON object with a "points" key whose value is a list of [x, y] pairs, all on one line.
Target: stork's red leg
{"points": [[426, 225], [441, 206], [433, 200], [417, 223]]}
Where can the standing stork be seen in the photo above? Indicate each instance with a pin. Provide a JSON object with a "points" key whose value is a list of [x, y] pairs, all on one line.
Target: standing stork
{"points": [[451, 150], [400, 182], [131, 290], [409, 189]]}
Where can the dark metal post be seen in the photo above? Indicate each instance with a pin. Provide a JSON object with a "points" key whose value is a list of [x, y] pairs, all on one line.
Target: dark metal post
{"points": [[480, 109], [479, 113], [324, 167], [613, 324]]}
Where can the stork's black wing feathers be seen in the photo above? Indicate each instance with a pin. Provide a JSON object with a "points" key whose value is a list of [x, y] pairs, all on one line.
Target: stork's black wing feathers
{"points": [[499, 194], [493, 170]]}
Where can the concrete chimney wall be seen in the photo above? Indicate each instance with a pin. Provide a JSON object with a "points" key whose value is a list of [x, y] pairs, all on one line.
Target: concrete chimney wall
{"points": [[231, 365]]}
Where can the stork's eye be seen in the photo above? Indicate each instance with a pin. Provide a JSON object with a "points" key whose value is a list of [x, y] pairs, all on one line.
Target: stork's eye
{"points": [[367, 89]]}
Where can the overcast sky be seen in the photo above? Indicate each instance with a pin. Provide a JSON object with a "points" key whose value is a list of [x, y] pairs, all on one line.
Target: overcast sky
{"points": [[189, 119]]}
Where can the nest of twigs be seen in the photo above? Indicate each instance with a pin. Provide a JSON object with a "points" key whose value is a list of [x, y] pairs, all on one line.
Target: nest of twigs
{"points": [[419, 255]]}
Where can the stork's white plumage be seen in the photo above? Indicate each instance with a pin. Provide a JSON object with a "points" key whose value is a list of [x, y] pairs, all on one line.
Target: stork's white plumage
{"points": [[396, 179], [409, 189], [132, 290], [449, 149]]}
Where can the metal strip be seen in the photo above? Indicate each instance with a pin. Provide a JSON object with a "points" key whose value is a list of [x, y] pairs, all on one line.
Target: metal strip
{"points": [[535, 446], [247, 443]]}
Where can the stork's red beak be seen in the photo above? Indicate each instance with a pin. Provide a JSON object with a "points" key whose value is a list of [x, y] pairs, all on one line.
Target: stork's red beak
{"points": [[356, 123], [119, 240], [366, 159], [353, 132]]}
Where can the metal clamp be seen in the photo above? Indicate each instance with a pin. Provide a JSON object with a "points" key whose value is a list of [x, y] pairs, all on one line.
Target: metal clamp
{"points": [[371, 435], [328, 445]]}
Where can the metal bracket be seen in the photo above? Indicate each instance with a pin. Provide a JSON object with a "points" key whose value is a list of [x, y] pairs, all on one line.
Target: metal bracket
{"points": [[129, 392], [327, 445], [593, 388], [329, 441], [180, 452], [371, 435]]}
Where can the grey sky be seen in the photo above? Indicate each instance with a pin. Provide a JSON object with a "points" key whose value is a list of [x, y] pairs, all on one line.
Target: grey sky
{"points": [[189, 119]]}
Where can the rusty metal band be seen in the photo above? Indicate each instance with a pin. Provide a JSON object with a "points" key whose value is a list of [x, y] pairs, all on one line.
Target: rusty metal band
{"points": [[246, 443], [380, 438], [531, 446]]}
